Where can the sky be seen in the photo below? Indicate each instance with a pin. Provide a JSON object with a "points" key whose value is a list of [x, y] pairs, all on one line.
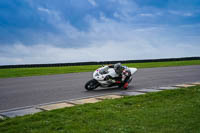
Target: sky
{"points": [[62, 31]]}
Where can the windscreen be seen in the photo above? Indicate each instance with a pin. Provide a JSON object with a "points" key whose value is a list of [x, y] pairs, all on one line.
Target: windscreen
{"points": [[104, 71]]}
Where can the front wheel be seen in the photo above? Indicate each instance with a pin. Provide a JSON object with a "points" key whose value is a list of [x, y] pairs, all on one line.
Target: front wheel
{"points": [[91, 85]]}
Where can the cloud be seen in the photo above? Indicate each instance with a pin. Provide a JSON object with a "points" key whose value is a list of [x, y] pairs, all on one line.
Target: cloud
{"points": [[92, 2], [123, 30], [125, 10], [108, 40], [111, 50], [187, 14], [44, 10], [181, 13], [146, 15]]}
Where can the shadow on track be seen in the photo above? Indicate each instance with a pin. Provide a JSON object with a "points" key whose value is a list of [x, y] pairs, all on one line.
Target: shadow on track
{"points": [[107, 90]]}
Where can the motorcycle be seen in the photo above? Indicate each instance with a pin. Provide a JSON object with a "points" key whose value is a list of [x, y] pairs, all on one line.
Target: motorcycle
{"points": [[107, 77]]}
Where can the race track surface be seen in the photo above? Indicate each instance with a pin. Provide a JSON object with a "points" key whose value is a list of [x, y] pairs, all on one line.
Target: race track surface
{"points": [[28, 91]]}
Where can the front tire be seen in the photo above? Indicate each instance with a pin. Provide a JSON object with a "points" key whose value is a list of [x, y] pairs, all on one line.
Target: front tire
{"points": [[91, 85]]}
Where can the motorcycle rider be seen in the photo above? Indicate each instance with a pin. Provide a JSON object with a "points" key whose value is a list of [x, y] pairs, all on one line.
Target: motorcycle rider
{"points": [[123, 72]]}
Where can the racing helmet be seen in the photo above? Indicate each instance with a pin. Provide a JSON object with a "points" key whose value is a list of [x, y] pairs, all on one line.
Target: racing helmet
{"points": [[118, 68]]}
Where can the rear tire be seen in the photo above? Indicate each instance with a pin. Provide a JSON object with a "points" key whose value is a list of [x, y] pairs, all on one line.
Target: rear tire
{"points": [[91, 85]]}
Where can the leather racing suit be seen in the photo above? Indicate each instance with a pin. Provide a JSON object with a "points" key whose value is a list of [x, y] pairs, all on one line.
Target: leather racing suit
{"points": [[123, 72]]}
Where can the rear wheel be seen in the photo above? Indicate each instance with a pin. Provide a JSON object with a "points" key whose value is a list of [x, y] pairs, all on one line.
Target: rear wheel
{"points": [[91, 85]]}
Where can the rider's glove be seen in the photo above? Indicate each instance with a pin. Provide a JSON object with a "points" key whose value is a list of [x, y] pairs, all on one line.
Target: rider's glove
{"points": [[107, 77]]}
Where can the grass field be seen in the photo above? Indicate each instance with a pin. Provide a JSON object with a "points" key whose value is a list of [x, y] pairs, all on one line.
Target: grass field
{"points": [[170, 111], [22, 72]]}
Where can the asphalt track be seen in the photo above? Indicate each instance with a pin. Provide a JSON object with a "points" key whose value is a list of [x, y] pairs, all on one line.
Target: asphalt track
{"points": [[28, 91]]}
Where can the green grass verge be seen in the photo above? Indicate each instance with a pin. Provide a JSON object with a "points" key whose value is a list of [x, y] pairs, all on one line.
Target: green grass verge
{"points": [[22, 72], [170, 111]]}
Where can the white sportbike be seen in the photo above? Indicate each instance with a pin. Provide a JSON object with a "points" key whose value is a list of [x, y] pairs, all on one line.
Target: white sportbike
{"points": [[101, 78]]}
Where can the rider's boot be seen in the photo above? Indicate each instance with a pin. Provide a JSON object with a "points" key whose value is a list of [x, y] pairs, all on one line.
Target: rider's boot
{"points": [[125, 86]]}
